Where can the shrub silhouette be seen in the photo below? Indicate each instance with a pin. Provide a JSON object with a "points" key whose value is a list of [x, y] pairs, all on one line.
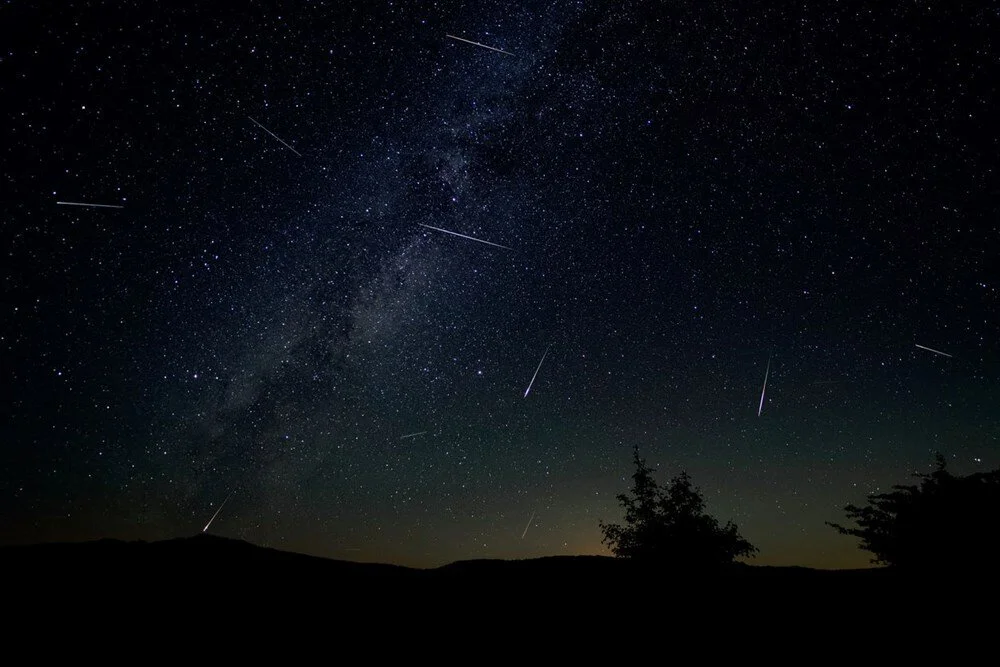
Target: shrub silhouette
{"points": [[669, 526], [944, 522]]}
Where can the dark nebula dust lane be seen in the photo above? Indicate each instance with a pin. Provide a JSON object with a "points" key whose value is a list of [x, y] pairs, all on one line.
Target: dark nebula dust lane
{"points": [[386, 281]]}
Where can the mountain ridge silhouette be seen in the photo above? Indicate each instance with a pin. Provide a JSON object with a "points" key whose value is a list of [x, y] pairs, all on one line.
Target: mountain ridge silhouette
{"points": [[205, 580], [202, 550]]}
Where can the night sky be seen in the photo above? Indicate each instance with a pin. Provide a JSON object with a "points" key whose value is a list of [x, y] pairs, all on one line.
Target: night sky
{"points": [[684, 196]]}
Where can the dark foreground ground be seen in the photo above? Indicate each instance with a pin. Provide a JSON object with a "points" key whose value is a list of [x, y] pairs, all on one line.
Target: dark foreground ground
{"points": [[212, 584], [207, 559]]}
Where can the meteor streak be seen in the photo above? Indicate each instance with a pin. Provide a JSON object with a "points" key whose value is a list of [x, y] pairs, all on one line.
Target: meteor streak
{"points": [[760, 407], [471, 238], [76, 203], [528, 526], [469, 41], [411, 435], [943, 354], [205, 529], [536, 372], [275, 136]]}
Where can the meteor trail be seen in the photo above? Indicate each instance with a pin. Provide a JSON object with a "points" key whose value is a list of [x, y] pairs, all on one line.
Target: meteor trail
{"points": [[411, 435], [528, 526], [275, 136], [760, 407], [536, 372], [943, 354], [469, 41], [76, 203], [205, 529], [464, 236]]}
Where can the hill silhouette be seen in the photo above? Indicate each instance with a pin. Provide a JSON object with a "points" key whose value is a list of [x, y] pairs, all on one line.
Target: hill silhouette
{"points": [[192, 554], [209, 582], [221, 560]]}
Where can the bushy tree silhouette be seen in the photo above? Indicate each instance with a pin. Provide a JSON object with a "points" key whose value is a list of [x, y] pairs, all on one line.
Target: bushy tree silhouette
{"points": [[946, 521], [669, 526]]}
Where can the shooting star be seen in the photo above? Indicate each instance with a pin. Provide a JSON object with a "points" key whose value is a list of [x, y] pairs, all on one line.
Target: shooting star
{"points": [[491, 48], [411, 435], [464, 236], [536, 372], [77, 203], [275, 136], [528, 526], [205, 529], [760, 407], [943, 354]]}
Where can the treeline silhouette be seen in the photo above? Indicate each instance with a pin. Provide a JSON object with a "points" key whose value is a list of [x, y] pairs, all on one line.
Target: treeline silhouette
{"points": [[668, 525], [945, 522]]}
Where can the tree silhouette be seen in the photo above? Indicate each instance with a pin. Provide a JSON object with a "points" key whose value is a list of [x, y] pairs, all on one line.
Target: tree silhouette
{"points": [[669, 526], [947, 521]]}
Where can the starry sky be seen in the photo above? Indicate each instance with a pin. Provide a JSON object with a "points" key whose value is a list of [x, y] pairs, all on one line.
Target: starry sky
{"points": [[683, 196]]}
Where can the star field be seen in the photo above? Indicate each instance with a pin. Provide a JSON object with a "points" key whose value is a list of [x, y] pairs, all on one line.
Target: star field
{"points": [[682, 191]]}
